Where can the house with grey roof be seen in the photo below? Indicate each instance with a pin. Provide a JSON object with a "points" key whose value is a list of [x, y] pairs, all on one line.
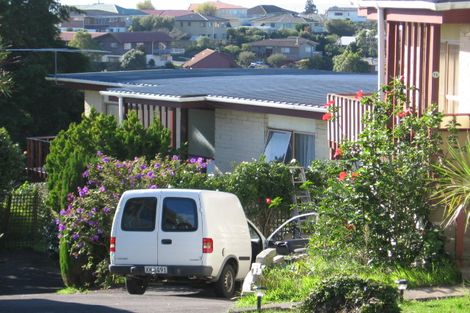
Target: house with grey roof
{"points": [[281, 21], [197, 25], [294, 48], [344, 13], [225, 115], [267, 10], [100, 17]]}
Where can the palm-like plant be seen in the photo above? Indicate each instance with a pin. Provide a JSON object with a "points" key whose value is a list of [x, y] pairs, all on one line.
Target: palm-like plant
{"points": [[453, 183]]}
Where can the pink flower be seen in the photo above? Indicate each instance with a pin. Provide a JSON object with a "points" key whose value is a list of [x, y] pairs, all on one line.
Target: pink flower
{"points": [[268, 201], [359, 95], [329, 103], [327, 116], [338, 153], [404, 113], [342, 176]]}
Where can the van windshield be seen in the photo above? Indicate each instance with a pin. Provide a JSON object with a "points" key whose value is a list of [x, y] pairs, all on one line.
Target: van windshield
{"points": [[139, 214]]}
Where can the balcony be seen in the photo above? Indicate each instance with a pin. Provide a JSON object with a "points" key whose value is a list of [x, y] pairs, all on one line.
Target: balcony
{"points": [[37, 149]]}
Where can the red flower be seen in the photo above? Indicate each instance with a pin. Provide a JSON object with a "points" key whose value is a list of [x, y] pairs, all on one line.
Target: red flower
{"points": [[404, 113], [338, 153], [359, 95], [329, 103], [342, 176], [268, 201], [327, 116], [354, 175]]}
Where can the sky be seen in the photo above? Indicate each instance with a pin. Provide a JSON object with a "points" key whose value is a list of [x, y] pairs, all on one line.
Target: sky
{"points": [[294, 5]]}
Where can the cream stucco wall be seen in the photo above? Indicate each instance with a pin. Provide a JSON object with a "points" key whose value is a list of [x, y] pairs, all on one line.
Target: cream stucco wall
{"points": [[93, 99]]}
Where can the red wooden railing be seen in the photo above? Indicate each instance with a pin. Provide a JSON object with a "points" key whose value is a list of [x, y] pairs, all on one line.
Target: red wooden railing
{"points": [[37, 149], [347, 121]]}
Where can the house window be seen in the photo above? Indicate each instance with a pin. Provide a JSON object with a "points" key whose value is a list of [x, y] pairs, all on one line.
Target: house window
{"points": [[127, 46], [283, 146], [285, 50], [448, 84], [181, 24], [203, 24], [113, 45], [189, 23], [338, 14], [273, 25], [308, 49]]}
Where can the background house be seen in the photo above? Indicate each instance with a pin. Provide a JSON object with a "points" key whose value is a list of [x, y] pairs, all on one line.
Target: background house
{"points": [[156, 45], [294, 48], [228, 116], [100, 17], [209, 58], [344, 13], [235, 14], [267, 10], [281, 21], [197, 25]]}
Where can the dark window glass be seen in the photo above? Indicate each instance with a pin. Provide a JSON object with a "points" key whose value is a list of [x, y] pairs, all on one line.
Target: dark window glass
{"points": [[278, 146], [139, 214], [179, 214]]}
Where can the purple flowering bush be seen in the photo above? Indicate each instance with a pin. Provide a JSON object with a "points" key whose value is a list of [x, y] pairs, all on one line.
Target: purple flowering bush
{"points": [[86, 221]]}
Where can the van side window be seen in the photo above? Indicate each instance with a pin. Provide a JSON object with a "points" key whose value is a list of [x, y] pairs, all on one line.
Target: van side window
{"points": [[139, 214], [179, 214]]}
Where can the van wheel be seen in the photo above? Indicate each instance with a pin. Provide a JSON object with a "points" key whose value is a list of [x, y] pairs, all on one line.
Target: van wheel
{"points": [[136, 286], [225, 286]]}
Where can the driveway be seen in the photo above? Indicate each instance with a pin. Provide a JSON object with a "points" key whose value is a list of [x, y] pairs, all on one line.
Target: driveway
{"points": [[29, 282]]}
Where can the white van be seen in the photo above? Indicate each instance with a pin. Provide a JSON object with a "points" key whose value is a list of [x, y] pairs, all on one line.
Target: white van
{"points": [[166, 234]]}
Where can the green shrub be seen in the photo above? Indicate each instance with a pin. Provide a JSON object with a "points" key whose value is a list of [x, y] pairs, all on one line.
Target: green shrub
{"points": [[351, 294], [75, 147], [277, 59], [11, 162]]}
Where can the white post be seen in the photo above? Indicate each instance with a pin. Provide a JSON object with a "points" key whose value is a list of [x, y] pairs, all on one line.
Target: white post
{"points": [[120, 110], [381, 46], [178, 128]]}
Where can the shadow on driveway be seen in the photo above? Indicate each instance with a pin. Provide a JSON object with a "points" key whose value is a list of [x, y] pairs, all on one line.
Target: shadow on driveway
{"points": [[50, 306], [28, 272]]}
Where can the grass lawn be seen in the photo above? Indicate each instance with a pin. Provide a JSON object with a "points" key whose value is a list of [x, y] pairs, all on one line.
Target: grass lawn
{"points": [[451, 305]]}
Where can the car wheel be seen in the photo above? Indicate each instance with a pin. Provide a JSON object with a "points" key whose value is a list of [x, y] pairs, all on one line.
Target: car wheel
{"points": [[136, 286], [225, 286]]}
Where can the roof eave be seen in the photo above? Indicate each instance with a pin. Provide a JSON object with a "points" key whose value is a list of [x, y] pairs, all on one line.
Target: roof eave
{"points": [[415, 5]]}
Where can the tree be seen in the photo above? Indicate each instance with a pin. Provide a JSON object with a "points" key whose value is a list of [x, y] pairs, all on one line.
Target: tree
{"points": [[341, 27], [310, 8], [207, 9], [277, 59], [204, 42], [134, 59], [83, 40], [36, 106], [245, 58], [11, 162], [349, 61], [152, 23], [232, 49], [5, 78], [145, 5], [367, 43]]}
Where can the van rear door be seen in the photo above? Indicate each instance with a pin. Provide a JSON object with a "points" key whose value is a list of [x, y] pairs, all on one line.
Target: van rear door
{"points": [[137, 232], [181, 230]]}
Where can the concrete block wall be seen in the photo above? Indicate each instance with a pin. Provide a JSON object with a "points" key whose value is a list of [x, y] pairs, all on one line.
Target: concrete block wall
{"points": [[239, 136]]}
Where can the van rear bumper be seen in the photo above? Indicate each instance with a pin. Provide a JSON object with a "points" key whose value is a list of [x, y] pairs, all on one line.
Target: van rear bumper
{"points": [[173, 271]]}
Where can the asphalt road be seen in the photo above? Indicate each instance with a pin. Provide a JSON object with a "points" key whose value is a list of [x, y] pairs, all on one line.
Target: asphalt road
{"points": [[29, 282], [155, 300]]}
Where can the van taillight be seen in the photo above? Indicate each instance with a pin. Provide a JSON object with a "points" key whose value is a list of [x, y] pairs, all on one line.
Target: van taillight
{"points": [[207, 245], [112, 244]]}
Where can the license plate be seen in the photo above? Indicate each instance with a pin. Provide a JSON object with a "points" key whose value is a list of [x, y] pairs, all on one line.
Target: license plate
{"points": [[156, 269]]}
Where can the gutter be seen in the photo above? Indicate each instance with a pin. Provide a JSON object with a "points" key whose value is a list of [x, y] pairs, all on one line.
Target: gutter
{"points": [[426, 5], [221, 99], [87, 82]]}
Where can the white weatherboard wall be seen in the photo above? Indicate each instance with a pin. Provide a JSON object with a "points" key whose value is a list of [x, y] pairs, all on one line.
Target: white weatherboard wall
{"points": [[239, 136], [93, 99]]}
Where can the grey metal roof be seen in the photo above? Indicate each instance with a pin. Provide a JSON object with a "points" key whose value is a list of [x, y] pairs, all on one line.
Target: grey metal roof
{"points": [[437, 5], [296, 87]]}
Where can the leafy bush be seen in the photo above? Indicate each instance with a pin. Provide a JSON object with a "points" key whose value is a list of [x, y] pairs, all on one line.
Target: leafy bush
{"points": [[85, 224], [134, 59], [246, 57], [378, 206], [277, 59], [11, 162], [351, 294], [75, 147]]}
